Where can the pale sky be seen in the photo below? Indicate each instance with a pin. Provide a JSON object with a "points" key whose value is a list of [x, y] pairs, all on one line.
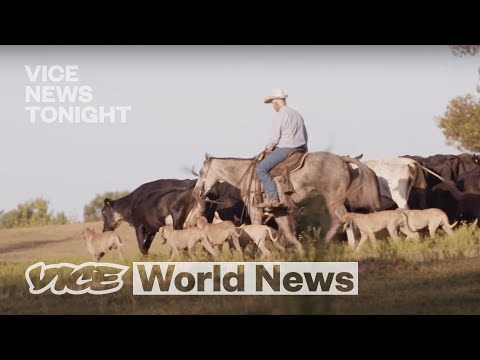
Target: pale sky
{"points": [[378, 100]]}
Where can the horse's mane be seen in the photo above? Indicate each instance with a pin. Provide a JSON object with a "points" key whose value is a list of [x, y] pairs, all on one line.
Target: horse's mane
{"points": [[229, 158]]}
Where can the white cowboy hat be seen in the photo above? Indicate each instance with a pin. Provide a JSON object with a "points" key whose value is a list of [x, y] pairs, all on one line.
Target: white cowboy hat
{"points": [[276, 94]]}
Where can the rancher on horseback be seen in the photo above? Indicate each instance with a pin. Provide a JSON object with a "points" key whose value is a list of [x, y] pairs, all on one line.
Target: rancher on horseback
{"points": [[288, 134]]}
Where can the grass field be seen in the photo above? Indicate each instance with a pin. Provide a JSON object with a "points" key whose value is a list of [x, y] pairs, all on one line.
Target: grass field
{"points": [[433, 276]]}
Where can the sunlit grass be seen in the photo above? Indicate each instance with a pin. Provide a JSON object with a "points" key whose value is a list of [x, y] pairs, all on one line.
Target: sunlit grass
{"points": [[439, 275]]}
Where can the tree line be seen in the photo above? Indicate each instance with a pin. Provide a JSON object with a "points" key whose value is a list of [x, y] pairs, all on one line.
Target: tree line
{"points": [[461, 120], [37, 213]]}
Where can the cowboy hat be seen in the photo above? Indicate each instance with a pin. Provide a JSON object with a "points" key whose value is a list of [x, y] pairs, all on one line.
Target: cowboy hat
{"points": [[276, 94]]}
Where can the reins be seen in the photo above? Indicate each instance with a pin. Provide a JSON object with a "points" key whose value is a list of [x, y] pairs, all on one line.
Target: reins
{"points": [[247, 200], [254, 161]]}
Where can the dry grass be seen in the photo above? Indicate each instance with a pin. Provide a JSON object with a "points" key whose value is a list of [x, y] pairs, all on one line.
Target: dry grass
{"points": [[433, 276]]}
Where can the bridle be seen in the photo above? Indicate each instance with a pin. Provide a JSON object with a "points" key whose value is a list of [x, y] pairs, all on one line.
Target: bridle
{"points": [[204, 180]]}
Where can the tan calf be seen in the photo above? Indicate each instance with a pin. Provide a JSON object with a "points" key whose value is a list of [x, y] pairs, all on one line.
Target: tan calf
{"points": [[258, 234], [369, 224], [431, 218], [184, 240], [99, 244], [218, 234]]}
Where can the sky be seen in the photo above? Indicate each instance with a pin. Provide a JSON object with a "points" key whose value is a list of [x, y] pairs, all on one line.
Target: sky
{"points": [[381, 101]]}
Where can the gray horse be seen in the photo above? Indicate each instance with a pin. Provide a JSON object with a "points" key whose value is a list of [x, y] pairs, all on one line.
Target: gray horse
{"points": [[324, 174]]}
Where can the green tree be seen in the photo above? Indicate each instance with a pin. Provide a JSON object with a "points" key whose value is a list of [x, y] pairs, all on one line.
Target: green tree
{"points": [[461, 50], [31, 213], [461, 120], [9, 219], [60, 219], [93, 210], [461, 123]]}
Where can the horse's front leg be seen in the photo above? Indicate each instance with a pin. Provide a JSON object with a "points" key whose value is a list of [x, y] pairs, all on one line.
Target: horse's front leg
{"points": [[256, 215], [284, 226]]}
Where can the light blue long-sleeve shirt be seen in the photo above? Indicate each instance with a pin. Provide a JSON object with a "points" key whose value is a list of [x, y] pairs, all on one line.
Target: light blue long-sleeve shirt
{"points": [[288, 130]]}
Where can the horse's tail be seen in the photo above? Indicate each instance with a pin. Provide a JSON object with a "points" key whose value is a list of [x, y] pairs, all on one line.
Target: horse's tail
{"points": [[363, 191]]}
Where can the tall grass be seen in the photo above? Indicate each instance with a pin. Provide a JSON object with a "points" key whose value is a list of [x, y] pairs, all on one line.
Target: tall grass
{"points": [[426, 276], [463, 243]]}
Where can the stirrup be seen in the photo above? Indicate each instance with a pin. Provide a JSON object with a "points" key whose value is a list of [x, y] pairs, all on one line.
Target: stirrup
{"points": [[270, 204]]}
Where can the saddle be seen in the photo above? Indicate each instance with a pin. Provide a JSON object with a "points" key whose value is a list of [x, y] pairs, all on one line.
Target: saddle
{"points": [[281, 174], [282, 171], [292, 163]]}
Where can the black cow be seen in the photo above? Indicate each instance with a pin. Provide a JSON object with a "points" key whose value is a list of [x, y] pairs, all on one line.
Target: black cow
{"points": [[443, 165], [467, 162], [456, 204], [450, 167], [469, 181], [228, 203], [147, 207], [447, 166]]}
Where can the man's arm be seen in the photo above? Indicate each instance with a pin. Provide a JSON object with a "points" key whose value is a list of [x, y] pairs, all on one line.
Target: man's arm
{"points": [[305, 132], [276, 133]]}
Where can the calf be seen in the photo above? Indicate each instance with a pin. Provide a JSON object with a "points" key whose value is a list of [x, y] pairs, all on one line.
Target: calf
{"points": [[431, 218], [99, 244], [184, 240], [258, 234], [369, 224], [218, 234]]}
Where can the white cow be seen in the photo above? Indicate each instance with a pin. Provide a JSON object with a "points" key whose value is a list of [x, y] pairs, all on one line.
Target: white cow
{"points": [[396, 177]]}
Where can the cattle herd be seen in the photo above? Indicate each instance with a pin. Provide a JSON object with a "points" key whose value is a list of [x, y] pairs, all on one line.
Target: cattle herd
{"points": [[456, 190], [449, 183]]}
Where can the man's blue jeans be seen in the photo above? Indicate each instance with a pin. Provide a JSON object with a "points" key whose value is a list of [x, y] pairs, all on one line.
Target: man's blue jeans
{"points": [[268, 163]]}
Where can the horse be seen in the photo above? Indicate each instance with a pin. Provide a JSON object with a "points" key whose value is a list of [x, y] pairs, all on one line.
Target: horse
{"points": [[323, 174]]}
